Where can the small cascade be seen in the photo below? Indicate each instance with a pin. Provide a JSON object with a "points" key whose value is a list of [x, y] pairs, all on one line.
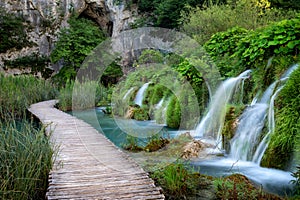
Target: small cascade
{"points": [[161, 111], [140, 94], [160, 103], [250, 126], [271, 119], [246, 144], [212, 123], [127, 93]]}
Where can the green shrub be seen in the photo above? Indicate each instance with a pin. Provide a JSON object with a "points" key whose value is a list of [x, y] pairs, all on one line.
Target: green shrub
{"points": [[281, 38], [201, 23], [173, 113], [74, 44]]}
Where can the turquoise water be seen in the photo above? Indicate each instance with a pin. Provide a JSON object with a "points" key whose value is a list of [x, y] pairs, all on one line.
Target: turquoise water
{"points": [[117, 130]]}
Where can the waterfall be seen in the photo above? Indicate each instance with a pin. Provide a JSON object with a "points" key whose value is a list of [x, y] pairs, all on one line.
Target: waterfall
{"points": [[271, 119], [252, 121], [140, 94], [212, 123], [127, 93], [160, 103]]}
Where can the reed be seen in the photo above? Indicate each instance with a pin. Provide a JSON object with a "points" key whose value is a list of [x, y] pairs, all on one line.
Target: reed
{"points": [[19, 92], [25, 152], [25, 160]]}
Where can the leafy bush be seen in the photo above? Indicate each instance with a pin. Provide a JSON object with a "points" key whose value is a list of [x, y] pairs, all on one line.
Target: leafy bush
{"points": [[281, 38], [201, 24], [74, 44], [173, 113], [164, 13], [155, 143], [131, 144]]}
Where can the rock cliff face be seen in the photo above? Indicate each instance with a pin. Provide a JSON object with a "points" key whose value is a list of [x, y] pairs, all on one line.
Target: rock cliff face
{"points": [[47, 16]]}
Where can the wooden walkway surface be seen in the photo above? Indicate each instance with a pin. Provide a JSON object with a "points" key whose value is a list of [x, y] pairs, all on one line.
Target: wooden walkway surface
{"points": [[88, 165]]}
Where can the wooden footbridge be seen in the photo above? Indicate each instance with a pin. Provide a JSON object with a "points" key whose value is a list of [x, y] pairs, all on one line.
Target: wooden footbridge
{"points": [[88, 165]]}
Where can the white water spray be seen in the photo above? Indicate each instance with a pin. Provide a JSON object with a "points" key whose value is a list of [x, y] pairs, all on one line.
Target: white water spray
{"points": [[140, 94], [212, 123]]}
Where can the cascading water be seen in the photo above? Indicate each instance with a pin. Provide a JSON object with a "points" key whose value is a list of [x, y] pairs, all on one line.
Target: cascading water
{"points": [[212, 123], [248, 133], [140, 94], [127, 93]]}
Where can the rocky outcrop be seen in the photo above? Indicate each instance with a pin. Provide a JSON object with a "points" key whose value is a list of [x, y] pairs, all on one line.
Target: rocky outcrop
{"points": [[47, 16]]}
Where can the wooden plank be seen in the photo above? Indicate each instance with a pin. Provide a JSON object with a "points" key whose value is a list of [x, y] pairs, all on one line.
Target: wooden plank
{"points": [[88, 165]]}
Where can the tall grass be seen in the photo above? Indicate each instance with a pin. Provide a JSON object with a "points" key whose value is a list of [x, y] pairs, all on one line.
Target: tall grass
{"points": [[19, 92], [79, 96], [25, 152], [25, 161]]}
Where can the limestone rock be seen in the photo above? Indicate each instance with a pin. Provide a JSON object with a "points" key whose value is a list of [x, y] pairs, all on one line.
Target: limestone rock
{"points": [[192, 149], [47, 17]]}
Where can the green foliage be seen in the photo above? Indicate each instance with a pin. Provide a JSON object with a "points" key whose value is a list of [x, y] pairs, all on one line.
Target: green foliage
{"points": [[281, 38], [284, 141], [25, 161], [224, 44], [286, 4], [37, 63], [12, 32], [165, 13], [173, 113], [17, 93], [247, 14], [237, 49], [74, 44]]}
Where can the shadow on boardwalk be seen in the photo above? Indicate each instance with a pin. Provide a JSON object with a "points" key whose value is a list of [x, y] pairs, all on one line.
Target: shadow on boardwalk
{"points": [[88, 165]]}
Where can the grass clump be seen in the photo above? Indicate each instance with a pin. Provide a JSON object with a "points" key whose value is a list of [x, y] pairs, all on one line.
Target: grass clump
{"points": [[25, 161], [181, 182]]}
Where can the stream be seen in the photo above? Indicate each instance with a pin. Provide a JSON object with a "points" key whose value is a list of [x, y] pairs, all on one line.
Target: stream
{"points": [[271, 180]]}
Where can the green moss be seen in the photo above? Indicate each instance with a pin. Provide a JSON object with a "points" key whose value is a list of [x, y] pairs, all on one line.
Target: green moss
{"points": [[285, 141], [173, 113]]}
